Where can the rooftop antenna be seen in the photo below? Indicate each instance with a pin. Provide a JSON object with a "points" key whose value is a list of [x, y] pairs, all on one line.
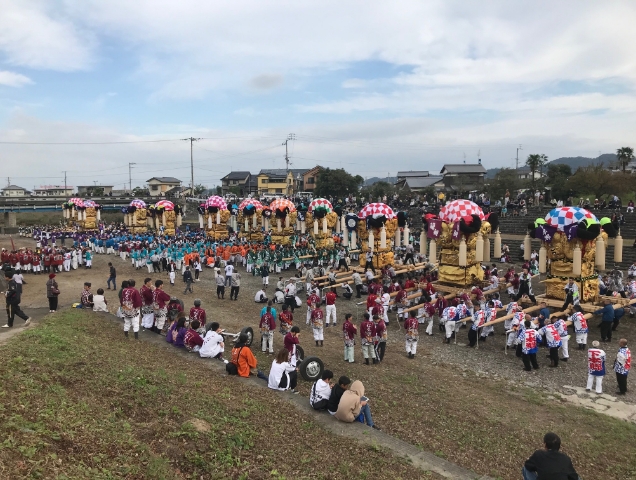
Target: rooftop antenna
{"points": [[464, 157]]}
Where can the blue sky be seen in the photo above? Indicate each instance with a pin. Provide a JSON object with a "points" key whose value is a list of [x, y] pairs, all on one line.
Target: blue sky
{"points": [[372, 87]]}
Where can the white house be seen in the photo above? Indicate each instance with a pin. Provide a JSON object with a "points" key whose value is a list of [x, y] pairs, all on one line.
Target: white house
{"points": [[14, 191]]}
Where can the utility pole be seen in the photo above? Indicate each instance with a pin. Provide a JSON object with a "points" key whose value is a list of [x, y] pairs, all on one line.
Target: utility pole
{"points": [[291, 136], [191, 140], [65, 183], [518, 148], [130, 164]]}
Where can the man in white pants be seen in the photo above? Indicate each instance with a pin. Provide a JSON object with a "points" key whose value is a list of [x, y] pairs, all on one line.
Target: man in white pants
{"points": [[130, 304], [449, 316], [425, 315], [330, 300], [595, 367], [562, 328]]}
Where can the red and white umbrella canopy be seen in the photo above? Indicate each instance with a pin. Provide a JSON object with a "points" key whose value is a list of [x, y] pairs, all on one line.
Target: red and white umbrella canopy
{"points": [[376, 210], [216, 201], [320, 202], [250, 201], [138, 203], [78, 202], [282, 204], [455, 210], [167, 205]]}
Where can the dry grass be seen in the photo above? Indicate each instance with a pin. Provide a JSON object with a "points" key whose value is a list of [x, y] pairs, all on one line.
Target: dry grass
{"points": [[80, 401]]}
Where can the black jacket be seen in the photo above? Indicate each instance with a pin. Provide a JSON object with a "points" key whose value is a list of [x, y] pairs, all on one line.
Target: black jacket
{"points": [[334, 398], [13, 296], [551, 465], [187, 276]]}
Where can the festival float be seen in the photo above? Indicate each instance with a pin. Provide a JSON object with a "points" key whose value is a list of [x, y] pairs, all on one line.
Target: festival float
{"points": [[73, 211], [322, 219], [167, 215], [574, 241], [283, 218], [92, 215], [376, 232], [460, 231], [136, 216], [214, 218], [250, 219]]}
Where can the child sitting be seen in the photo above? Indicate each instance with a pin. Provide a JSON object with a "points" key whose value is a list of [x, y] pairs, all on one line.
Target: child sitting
{"points": [[99, 301]]}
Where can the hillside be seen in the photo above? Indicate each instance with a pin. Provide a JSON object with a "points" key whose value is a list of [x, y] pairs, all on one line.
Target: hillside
{"points": [[372, 180], [573, 162]]}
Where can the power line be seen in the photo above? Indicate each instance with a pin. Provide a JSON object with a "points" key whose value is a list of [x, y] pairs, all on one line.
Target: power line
{"points": [[85, 143]]}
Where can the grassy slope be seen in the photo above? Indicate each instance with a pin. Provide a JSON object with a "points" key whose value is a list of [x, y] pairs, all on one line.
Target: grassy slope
{"points": [[77, 400]]}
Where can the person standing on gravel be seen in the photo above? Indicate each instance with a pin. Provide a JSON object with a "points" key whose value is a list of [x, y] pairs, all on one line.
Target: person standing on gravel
{"points": [[622, 365], [595, 367], [52, 292]]}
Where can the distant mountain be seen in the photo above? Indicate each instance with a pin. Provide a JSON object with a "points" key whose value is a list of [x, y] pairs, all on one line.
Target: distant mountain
{"points": [[372, 180], [574, 162]]}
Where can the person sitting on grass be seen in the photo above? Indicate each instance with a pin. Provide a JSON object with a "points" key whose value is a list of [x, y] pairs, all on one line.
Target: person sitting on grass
{"points": [[85, 297], [213, 343], [99, 301], [321, 391], [245, 360], [173, 328], [549, 464], [283, 375], [344, 383], [179, 333], [193, 340], [354, 406]]}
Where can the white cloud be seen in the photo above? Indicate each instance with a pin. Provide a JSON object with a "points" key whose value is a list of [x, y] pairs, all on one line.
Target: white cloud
{"points": [[354, 83], [33, 35], [266, 81], [12, 79]]}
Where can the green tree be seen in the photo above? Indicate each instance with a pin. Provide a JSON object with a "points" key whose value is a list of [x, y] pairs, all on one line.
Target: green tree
{"points": [[557, 177], [199, 189], [598, 181], [535, 163], [140, 192], [219, 190], [377, 190], [337, 183], [505, 179], [624, 155]]}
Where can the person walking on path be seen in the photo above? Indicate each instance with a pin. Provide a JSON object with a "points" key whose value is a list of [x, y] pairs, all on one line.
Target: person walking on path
{"points": [[13, 302], [52, 292], [112, 277], [187, 278]]}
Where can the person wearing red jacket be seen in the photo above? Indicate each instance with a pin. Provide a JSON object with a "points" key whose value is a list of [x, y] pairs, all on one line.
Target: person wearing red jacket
{"points": [[371, 301], [367, 334], [378, 309], [317, 317], [36, 264], [267, 325], [349, 331], [330, 299], [197, 313], [380, 337], [312, 300], [160, 301], [147, 310], [192, 340], [412, 335], [130, 305]]}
